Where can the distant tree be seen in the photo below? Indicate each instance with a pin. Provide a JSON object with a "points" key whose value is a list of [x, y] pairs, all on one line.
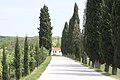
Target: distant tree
{"points": [[116, 35], [58, 42], [17, 59], [83, 52], [38, 57], [64, 40], [74, 35], [5, 66], [45, 29], [32, 59], [26, 64]]}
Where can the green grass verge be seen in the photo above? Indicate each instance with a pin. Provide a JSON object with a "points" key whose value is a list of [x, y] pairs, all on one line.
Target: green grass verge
{"points": [[110, 72], [38, 71]]}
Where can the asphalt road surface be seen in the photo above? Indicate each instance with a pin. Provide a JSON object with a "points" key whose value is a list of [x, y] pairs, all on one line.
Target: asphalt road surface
{"points": [[62, 68]]}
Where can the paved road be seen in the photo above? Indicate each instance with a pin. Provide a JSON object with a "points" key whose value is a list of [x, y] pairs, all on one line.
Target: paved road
{"points": [[61, 68]]}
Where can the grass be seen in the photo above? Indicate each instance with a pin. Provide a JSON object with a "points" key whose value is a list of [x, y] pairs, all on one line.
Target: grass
{"points": [[38, 71], [101, 70]]}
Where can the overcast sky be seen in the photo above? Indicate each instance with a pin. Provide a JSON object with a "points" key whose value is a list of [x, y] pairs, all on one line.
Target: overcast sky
{"points": [[21, 17]]}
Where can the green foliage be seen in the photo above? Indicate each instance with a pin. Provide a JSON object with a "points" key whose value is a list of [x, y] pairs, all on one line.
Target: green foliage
{"points": [[116, 33], [10, 50], [92, 31], [17, 59], [31, 58], [0, 70], [45, 30], [74, 35], [40, 54], [26, 65], [56, 41], [64, 44], [101, 35], [5, 66], [106, 32], [38, 71]]}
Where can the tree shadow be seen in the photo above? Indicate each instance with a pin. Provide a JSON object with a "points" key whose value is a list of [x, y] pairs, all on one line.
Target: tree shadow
{"points": [[85, 70], [106, 74], [98, 70], [77, 74]]}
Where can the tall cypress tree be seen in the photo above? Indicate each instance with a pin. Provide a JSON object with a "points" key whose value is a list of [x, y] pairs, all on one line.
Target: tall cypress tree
{"points": [[26, 57], [45, 30], [32, 59], [116, 35], [64, 40], [74, 34], [92, 32], [106, 33], [88, 30], [17, 60], [5, 66]]}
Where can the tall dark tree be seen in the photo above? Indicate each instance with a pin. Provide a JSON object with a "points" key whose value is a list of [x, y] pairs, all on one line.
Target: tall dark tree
{"points": [[64, 40], [17, 59], [83, 52], [116, 35], [74, 34], [92, 32], [26, 65], [5, 66], [45, 30], [106, 33]]}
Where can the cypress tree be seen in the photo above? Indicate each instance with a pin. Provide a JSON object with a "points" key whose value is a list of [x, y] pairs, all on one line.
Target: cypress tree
{"points": [[5, 66], [83, 48], [45, 29], [64, 40], [92, 32], [32, 58], [26, 57], [116, 35], [74, 34], [106, 33], [37, 56], [17, 60]]}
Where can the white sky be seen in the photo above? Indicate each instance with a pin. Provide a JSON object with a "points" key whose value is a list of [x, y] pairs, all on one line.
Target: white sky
{"points": [[21, 17]]}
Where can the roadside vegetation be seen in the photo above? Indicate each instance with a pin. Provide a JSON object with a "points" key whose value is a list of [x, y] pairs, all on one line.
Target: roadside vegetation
{"points": [[100, 38], [20, 56], [38, 71]]}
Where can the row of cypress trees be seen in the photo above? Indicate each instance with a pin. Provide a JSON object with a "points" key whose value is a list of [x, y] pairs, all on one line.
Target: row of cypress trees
{"points": [[70, 42], [102, 33], [100, 39], [25, 60]]}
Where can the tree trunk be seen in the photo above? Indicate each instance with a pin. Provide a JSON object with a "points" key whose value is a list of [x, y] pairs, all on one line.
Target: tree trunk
{"points": [[114, 70], [93, 64], [97, 64], [85, 59], [106, 68], [89, 62], [82, 60]]}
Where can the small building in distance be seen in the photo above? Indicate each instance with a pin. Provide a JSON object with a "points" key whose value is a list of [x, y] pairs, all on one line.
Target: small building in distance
{"points": [[56, 51]]}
